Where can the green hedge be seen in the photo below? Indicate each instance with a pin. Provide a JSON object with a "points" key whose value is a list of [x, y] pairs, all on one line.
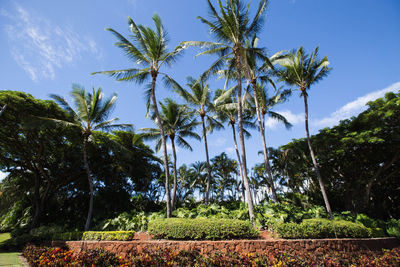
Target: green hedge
{"points": [[91, 235], [322, 228], [201, 229]]}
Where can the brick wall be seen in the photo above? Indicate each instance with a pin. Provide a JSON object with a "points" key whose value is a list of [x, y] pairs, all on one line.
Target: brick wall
{"points": [[319, 246]]}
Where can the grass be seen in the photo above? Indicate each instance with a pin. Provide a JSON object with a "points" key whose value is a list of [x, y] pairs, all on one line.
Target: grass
{"points": [[8, 258]]}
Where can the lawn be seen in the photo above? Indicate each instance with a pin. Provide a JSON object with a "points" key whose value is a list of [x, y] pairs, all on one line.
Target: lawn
{"points": [[8, 258]]}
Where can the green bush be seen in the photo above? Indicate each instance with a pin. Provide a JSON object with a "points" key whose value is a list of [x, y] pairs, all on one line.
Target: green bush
{"points": [[92, 235], [201, 229], [393, 228], [322, 228]]}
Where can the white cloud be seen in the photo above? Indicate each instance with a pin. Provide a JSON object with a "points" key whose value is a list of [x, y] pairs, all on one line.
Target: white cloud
{"points": [[230, 150], [3, 175], [220, 141], [355, 107], [40, 47], [293, 118]]}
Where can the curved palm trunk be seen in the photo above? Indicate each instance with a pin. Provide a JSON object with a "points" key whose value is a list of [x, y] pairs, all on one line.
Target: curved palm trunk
{"points": [[321, 183], [262, 133], [175, 173], [238, 157], [207, 194], [241, 136], [85, 161], [163, 142]]}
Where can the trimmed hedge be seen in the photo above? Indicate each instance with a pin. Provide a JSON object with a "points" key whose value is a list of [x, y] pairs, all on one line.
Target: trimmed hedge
{"points": [[92, 235], [201, 229], [322, 228]]}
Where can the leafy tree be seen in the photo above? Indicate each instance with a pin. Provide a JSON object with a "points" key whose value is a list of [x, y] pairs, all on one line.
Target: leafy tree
{"points": [[148, 49], [199, 98], [230, 27], [178, 124], [303, 70], [40, 162], [91, 113]]}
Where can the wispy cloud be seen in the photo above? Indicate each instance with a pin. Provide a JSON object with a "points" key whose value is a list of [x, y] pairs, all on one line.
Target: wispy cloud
{"points": [[39, 46], [293, 118], [230, 150], [354, 107]]}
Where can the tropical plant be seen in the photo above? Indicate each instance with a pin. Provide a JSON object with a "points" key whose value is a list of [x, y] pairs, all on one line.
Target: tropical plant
{"points": [[91, 113], [149, 50], [178, 124], [224, 168], [226, 108], [303, 70], [199, 98], [230, 27]]}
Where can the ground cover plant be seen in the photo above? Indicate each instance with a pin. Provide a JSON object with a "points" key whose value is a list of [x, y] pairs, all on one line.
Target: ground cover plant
{"points": [[45, 256]]}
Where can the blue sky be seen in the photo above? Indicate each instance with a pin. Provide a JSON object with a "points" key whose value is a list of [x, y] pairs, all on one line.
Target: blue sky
{"points": [[46, 46]]}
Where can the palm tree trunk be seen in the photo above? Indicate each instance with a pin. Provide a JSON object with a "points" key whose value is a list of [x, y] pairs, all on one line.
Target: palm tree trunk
{"points": [[321, 183], [207, 195], [238, 155], [85, 161], [262, 132], [175, 173], [241, 136], [163, 142]]}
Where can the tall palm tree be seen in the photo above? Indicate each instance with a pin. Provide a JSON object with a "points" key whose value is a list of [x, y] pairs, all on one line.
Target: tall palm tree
{"points": [[199, 97], [177, 124], [148, 49], [254, 71], [91, 113], [263, 107], [303, 70], [226, 108], [230, 27]]}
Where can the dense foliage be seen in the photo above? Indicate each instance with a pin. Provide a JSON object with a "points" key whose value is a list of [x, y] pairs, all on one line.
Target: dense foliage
{"points": [[44, 256], [359, 160], [321, 228], [201, 229]]}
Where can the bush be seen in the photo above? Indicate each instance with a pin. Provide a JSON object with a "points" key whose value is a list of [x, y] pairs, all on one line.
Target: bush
{"points": [[92, 235], [322, 228], [201, 229], [393, 228]]}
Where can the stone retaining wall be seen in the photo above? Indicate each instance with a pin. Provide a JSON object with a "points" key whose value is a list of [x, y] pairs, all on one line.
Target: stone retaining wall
{"points": [[319, 246]]}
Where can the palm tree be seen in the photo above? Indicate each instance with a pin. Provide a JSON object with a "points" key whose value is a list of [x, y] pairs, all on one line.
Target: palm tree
{"points": [[199, 98], [303, 70], [91, 113], [177, 124], [253, 73], [263, 105], [148, 49], [224, 167], [199, 170], [226, 108], [231, 26]]}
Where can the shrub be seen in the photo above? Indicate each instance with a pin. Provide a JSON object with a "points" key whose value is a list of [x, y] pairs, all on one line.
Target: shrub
{"points": [[201, 229], [322, 228], [393, 228], [92, 235]]}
